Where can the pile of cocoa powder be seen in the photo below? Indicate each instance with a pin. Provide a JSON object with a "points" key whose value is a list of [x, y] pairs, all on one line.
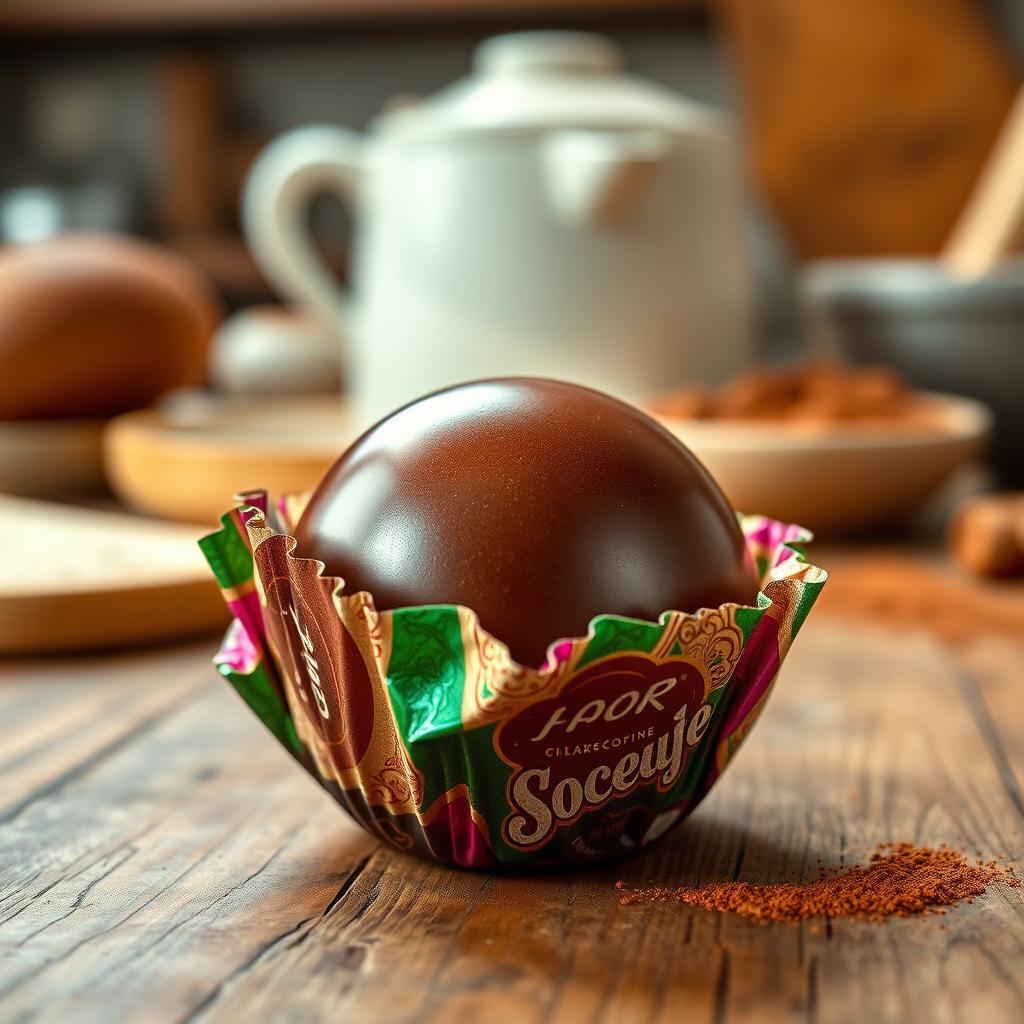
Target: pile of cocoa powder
{"points": [[900, 880], [809, 396]]}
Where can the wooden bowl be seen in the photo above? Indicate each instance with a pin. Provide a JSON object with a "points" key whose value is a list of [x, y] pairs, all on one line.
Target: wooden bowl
{"points": [[839, 479], [188, 462]]}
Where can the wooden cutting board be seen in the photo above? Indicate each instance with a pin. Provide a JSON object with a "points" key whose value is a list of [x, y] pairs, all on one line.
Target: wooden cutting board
{"points": [[75, 579]]}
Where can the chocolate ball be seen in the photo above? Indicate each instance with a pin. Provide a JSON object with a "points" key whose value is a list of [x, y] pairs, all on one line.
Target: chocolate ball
{"points": [[536, 503]]}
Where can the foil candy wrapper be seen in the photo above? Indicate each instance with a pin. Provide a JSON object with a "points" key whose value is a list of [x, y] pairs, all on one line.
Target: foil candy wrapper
{"points": [[419, 723]]}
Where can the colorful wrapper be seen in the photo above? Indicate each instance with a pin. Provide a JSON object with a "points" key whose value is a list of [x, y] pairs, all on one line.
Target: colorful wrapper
{"points": [[423, 728]]}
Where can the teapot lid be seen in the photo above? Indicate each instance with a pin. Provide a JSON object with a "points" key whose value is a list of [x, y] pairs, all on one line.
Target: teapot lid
{"points": [[528, 81]]}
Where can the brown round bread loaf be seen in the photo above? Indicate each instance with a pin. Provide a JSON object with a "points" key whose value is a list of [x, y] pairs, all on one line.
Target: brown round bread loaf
{"points": [[95, 325]]}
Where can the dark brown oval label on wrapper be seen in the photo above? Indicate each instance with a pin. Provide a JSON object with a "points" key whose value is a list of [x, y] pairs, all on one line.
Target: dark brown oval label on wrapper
{"points": [[617, 725]]}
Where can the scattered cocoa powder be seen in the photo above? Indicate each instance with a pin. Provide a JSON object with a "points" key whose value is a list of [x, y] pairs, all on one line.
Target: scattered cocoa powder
{"points": [[900, 880], [903, 591]]}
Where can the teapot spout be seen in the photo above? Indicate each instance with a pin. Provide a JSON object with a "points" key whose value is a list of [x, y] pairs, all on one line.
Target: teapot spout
{"points": [[598, 177]]}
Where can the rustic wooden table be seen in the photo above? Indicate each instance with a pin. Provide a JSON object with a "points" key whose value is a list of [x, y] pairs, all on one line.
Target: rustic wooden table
{"points": [[162, 859]]}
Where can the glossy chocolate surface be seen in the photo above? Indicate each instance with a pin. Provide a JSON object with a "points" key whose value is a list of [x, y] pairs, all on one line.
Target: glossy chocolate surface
{"points": [[536, 503]]}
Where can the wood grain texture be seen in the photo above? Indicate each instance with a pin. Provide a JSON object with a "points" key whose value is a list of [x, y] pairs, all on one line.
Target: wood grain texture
{"points": [[160, 860]]}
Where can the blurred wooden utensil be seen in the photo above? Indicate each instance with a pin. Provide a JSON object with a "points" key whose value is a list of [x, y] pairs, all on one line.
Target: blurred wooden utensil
{"points": [[991, 219]]}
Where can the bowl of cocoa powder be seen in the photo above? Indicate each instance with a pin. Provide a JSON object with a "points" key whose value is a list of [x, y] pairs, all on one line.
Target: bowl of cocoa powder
{"points": [[865, 448]]}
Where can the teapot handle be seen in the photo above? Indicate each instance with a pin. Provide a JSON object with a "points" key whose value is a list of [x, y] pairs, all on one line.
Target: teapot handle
{"points": [[285, 177]]}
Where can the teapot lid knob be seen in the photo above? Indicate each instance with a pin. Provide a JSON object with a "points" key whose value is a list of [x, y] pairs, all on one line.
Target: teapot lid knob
{"points": [[519, 52]]}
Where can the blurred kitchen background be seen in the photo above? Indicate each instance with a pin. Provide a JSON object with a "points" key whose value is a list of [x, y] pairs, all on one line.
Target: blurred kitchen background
{"points": [[875, 159], [863, 125]]}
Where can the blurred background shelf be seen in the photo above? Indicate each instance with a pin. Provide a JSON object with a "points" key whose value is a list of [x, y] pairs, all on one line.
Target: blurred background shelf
{"points": [[121, 15], [162, 106], [144, 118]]}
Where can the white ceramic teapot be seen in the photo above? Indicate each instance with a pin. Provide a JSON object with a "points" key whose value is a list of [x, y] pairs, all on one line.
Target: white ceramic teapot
{"points": [[546, 215]]}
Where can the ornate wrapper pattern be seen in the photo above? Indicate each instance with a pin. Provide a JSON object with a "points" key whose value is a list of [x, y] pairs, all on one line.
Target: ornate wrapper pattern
{"points": [[425, 730]]}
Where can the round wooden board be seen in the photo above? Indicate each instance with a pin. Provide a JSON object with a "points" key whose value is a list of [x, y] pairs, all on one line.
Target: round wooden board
{"points": [[77, 579]]}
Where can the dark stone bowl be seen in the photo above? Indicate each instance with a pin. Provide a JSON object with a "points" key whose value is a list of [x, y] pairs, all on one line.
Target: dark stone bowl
{"points": [[963, 337]]}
